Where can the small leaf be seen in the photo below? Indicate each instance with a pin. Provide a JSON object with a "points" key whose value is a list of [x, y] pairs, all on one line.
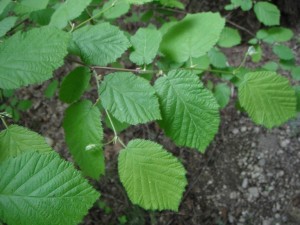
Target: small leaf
{"points": [[6, 24], [217, 58], [283, 52], [16, 140], [31, 57], [275, 34], [271, 66], [296, 73], [24, 105], [229, 37], [145, 43], [152, 177], [100, 44], [129, 98], [28, 6], [267, 13], [192, 37], [120, 8], [51, 89], [268, 98], [43, 189], [83, 127], [190, 114], [172, 3], [74, 84], [68, 11], [222, 93]]}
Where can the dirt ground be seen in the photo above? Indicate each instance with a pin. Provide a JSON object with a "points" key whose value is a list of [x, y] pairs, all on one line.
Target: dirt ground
{"points": [[249, 175]]}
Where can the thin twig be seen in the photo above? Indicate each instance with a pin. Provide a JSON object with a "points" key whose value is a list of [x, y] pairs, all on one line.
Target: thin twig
{"points": [[240, 27]]}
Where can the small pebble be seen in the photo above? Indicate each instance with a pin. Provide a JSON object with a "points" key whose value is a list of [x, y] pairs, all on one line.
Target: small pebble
{"points": [[243, 129], [235, 131], [245, 183], [253, 191]]}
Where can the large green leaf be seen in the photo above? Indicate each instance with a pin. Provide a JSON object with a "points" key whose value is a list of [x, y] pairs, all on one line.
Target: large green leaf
{"points": [[129, 98], [190, 113], [152, 177], [28, 6], [74, 84], [100, 44], [192, 37], [268, 98], [6, 24], [267, 13], [120, 8], [84, 134], [145, 43], [68, 11], [31, 57], [16, 140], [43, 189]]}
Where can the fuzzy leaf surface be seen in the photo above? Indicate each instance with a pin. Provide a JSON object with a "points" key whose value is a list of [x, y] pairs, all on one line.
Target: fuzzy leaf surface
{"points": [[189, 112], [31, 57], [16, 140], [145, 43], [74, 84], [43, 189], [68, 11], [153, 178], [268, 98], [100, 44], [267, 13], [129, 98], [192, 37], [83, 128]]}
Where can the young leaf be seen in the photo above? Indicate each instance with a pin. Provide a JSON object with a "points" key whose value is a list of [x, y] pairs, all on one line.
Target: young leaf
{"points": [[296, 72], [283, 52], [217, 58], [6, 24], [74, 84], [68, 11], [129, 98], [271, 66], [152, 177], [100, 44], [28, 6], [120, 8], [229, 37], [172, 3], [16, 140], [51, 89], [192, 37], [83, 128], [222, 93], [190, 113], [275, 34], [28, 58], [43, 189], [267, 13], [268, 98], [146, 43]]}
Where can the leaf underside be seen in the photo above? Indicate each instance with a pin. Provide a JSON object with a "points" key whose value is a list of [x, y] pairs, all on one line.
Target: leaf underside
{"points": [[43, 189], [190, 113], [268, 98], [152, 177]]}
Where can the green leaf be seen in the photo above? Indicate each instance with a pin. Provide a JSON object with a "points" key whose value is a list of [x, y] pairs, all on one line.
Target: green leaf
{"points": [[138, 2], [172, 3], [271, 66], [256, 56], [129, 98], [100, 44], [120, 8], [229, 37], [31, 57], [16, 140], [190, 113], [6, 24], [43, 189], [74, 84], [24, 105], [83, 128], [268, 98], [152, 177], [192, 37], [145, 43], [297, 92], [119, 126], [267, 13], [28, 6], [51, 89], [42, 17], [222, 93], [217, 58], [283, 52], [68, 11], [199, 65], [275, 34], [296, 73], [3, 5]]}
